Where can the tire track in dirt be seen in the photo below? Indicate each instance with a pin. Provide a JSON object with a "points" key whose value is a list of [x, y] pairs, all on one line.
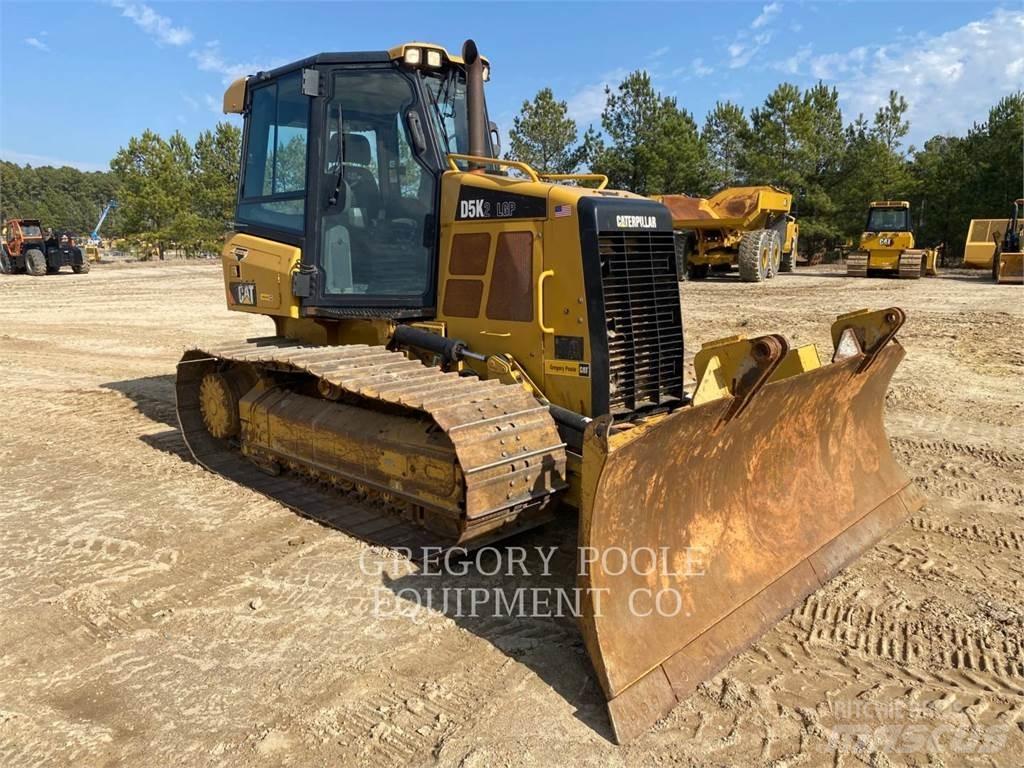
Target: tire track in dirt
{"points": [[999, 538], [993, 660], [401, 724], [963, 471], [910, 448]]}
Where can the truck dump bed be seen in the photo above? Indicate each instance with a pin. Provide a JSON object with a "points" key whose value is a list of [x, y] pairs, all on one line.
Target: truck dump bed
{"points": [[981, 244], [741, 208]]}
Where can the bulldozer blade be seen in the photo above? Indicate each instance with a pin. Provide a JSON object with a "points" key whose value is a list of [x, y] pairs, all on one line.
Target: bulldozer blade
{"points": [[702, 529], [1010, 268]]}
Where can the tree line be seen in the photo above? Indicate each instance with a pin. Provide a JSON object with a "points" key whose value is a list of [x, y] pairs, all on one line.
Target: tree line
{"points": [[65, 199], [173, 194], [796, 139]]}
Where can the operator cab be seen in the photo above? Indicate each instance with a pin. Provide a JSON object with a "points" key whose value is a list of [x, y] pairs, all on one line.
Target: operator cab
{"points": [[364, 138], [888, 218]]}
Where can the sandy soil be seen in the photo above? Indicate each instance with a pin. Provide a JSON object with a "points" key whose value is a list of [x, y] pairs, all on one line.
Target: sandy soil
{"points": [[152, 613]]}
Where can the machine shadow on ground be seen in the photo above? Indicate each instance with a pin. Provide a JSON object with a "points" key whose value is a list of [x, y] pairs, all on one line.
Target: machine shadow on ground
{"points": [[542, 632], [153, 396]]}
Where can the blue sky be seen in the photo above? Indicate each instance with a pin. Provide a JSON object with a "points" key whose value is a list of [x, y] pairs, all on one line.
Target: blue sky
{"points": [[78, 79]]}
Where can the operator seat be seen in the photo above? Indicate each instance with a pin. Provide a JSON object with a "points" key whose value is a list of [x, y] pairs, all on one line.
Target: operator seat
{"points": [[336, 246], [360, 178]]}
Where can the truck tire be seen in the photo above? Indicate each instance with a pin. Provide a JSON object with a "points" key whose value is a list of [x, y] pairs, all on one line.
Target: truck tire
{"points": [[776, 260], [81, 268], [5, 262], [681, 242], [788, 263], [755, 256], [35, 262]]}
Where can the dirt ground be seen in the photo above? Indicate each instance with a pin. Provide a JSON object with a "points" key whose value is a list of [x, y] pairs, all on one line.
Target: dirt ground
{"points": [[152, 613]]}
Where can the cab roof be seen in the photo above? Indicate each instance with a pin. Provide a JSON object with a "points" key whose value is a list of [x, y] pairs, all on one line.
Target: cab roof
{"points": [[363, 57], [235, 95]]}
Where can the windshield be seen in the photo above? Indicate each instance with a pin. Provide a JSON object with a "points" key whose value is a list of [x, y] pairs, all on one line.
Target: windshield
{"points": [[446, 94], [888, 220], [30, 231]]}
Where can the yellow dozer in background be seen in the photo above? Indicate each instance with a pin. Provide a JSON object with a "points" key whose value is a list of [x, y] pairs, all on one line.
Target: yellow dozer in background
{"points": [[1008, 260], [746, 228], [887, 245], [469, 348]]}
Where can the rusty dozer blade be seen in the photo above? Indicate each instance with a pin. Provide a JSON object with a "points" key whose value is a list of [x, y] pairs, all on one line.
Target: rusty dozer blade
{"points": [[1009, 267], [702, 528]]}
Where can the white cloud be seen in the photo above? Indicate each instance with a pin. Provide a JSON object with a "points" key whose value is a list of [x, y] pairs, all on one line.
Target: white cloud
{"points": [[35, 42], [700, 69], [210, 59], [767, 13], [793, 64], [696, 68], [152, 23], [213, 104], [657, 54], [950, 80], [749, 42], [830, 65], [193, 104], [27, 158], [586, 105], [744, 48]]}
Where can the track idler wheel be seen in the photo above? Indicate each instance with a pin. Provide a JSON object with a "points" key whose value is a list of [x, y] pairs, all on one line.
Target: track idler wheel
{"points": [[219, 393]]}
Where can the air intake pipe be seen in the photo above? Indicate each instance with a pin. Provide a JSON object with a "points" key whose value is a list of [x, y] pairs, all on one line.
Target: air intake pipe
{"points": [[477, 112]]}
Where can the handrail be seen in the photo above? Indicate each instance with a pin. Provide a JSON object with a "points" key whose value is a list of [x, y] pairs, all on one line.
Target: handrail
{"points": [[540, 300], [453, 156], [598, 177], [527, 169]]}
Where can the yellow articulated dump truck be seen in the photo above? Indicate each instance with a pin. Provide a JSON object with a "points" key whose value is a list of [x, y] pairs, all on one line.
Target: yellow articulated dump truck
{"points": [[887, 245], [471, 348], [744, 228], [1008, 260]]}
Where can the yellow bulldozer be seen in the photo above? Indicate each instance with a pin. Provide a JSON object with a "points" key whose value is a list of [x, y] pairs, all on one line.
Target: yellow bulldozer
{"points": [[887, 245], [744, 228], [1007, 258], [472, 348]]}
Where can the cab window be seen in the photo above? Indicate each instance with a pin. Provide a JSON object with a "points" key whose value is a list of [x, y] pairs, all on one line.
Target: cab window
{"points": [[274, 184], [375, 233], [888, 220]]}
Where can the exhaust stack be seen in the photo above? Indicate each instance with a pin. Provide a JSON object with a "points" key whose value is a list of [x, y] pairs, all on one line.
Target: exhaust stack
{"points": [[477, 115]]}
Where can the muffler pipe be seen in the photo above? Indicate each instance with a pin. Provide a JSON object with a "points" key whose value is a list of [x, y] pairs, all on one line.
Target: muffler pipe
{"points": [[476, 111]]}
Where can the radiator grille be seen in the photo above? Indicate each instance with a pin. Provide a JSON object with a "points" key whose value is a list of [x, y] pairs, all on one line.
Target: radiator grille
{"points": [[645, 329]]}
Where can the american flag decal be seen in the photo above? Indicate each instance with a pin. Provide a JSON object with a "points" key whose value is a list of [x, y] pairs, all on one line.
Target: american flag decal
{"points": [[563, 210]]}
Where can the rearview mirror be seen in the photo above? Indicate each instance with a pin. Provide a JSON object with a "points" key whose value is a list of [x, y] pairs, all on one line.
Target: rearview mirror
{"points": [[495, 139]]}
